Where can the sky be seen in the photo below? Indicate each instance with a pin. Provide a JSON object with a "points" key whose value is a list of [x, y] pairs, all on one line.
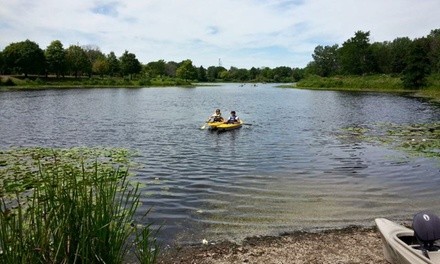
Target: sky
{"points": [[230, 33]]}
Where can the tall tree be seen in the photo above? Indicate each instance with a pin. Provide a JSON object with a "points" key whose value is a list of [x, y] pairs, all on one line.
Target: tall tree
{"points": [[253, 73], [298, 74], [56, 58], [201, 74], [77, 60], [381, 57], [2, 63], [24, 57], [186, 71], [93, 54], [212, 73], [266, 74], [434, 50], [129, 64], [155, 68], [100, 66], [114, 67], [355, 54], [418, 67], [170, 68], [399, 49], [282, 74], [326, 60]]}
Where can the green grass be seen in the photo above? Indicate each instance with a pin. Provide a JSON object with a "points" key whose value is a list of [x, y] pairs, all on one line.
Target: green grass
{"points": [[70, 206], [353, 83], [41, 82], [371, 83]]}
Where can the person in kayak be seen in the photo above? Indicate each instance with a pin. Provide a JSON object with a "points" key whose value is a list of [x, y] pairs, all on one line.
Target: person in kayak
{"points": [[233, 118], [216, 117]]}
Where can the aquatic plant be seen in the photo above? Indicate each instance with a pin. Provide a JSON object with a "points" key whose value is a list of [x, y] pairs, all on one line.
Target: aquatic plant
{"points": [[415, 139], [69, 206]]}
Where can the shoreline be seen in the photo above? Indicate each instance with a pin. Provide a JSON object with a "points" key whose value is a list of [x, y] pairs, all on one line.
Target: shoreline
{"points": [[353, 244]]}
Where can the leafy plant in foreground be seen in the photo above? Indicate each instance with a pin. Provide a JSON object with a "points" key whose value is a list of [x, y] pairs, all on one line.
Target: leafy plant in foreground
{"points": [[75, 213]]}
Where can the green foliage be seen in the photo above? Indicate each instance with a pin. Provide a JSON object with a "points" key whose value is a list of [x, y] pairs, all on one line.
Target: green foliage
{"points": [[363, 83], [414, 75], [155, 69], [434, 51], [100, 66], [415, 139], [355, 54], [56, 58], [68, 206], [129, 64], [24, 57], [186, 71], [326, 60], [77, 61], [114, 66]]}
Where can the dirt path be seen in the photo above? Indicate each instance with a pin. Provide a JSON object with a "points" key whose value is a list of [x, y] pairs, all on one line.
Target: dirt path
{"points": [[349, 245]]}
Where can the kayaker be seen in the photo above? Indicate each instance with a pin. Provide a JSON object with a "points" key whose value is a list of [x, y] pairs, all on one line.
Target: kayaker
{"points": [[216, 117], [233, 118]]}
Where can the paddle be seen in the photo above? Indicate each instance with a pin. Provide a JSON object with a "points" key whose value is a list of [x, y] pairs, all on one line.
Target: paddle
{"points": [[206, 123]]}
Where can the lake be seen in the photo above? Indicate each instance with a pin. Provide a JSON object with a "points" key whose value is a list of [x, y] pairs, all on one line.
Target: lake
{"points": [[286, 170]]}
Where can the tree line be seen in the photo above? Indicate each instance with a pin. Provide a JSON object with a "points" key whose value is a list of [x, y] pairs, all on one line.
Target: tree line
{"points": [[413, 60], [26, 58]]}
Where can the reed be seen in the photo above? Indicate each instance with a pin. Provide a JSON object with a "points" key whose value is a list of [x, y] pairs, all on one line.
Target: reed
{"points": [[74, 213]]}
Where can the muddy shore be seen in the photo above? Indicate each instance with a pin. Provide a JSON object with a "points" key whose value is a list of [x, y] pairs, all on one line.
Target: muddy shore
{"points": [[348, 245]]}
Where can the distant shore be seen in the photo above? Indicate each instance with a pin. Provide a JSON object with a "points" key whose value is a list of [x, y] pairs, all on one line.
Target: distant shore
{"points": [[348, 245]]}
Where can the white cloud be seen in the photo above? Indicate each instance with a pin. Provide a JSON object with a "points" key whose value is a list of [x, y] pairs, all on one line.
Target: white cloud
{"points": [[243, 33]]}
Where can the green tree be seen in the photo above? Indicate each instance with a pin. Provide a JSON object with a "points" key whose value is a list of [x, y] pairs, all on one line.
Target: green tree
{"points": [[24, 57], [381, 57], [434, 50], [238, 75], [77, 61], [170, 68], [418, 67], [56, 58], [326, 60], [201, 74], [100, 66], [2, 63], [186, 71], [129, 64], [282, 74], [298, 74], [266, 74], [93, 54], [155, 68], [212, 73], [114, 67], [399, 49], [355, 55], [254, 73]]}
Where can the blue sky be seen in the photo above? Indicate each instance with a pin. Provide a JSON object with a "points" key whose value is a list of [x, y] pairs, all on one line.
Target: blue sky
{"points": [[242, 33]]}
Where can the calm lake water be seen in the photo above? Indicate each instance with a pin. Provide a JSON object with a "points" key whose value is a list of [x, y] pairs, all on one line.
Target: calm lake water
{"points": [[287, 170]]}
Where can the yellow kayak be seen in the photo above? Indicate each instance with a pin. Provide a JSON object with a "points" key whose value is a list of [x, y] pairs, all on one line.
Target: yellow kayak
{"points": [[214, 125], [223, 126]]}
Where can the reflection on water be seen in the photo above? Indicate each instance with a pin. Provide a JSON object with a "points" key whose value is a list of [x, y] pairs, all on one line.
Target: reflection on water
{"points": [[287, 170]]}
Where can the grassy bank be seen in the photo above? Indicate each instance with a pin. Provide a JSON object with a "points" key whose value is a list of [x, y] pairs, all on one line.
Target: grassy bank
{"points": [[70, 206], [375, 83], [41, 82]]}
